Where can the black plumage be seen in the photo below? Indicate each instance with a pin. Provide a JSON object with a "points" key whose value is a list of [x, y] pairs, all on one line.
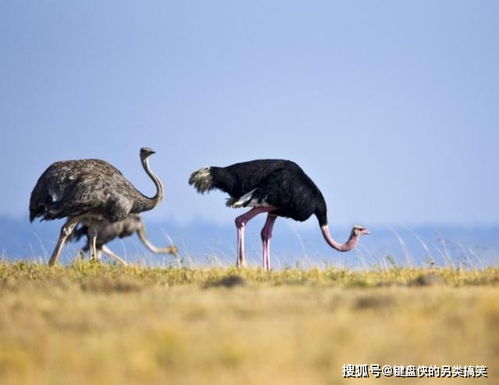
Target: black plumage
{"points": [[277, 187], [275, 182]]}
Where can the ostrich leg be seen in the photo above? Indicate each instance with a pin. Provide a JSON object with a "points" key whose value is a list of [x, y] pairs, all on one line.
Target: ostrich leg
{"points": [[98, 256], [92, 243], [66, 230], [266, 235], [241, 224]]}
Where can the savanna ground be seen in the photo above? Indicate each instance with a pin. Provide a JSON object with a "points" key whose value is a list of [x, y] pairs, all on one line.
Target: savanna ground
{"points": [[99, 324]]}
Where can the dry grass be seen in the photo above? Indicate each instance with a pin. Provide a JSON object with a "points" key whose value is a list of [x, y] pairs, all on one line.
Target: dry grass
{"points": [[92, 324]]}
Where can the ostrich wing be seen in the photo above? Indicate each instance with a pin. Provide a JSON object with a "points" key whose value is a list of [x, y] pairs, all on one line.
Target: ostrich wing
{"points": [[79, 187], [289, 189]]}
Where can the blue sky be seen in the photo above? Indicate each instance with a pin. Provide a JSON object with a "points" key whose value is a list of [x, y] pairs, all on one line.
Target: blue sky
{"points": [[391, 107]]}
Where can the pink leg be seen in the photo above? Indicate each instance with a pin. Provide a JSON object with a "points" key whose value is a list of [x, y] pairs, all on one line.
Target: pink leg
{"points": [[266, 235], [241, 224]]}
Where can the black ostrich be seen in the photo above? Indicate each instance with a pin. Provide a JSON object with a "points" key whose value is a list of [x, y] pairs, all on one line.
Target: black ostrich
{"points": [[279, 188], [108, 231], [88, 191]]}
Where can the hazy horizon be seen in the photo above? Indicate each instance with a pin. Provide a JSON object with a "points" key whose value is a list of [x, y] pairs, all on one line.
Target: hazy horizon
{"points": [[202, 242]]}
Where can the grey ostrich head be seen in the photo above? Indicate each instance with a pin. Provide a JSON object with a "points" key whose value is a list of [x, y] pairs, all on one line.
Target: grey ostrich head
{"points": [[360, 230], [145, 152]]}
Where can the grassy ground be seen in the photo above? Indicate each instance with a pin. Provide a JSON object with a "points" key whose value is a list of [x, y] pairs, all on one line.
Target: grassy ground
{"points": [[92, 324]]}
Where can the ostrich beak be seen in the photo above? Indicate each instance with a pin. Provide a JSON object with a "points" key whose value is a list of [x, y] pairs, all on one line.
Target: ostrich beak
{"points": [[148, 150]]}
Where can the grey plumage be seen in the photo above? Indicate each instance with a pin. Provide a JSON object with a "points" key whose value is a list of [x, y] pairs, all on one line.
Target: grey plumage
{"points": [[108, 231], [88, 191]]}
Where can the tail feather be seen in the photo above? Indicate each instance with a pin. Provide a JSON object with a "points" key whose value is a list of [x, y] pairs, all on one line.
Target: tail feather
{"points": [[202, 180]]}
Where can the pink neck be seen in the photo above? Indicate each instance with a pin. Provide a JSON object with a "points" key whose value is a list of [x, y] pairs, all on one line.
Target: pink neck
{"points": [[348, 245]]}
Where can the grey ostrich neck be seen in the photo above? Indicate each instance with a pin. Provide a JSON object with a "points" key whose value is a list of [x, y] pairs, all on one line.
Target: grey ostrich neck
{"points": [[348, 245], [144, 203]]}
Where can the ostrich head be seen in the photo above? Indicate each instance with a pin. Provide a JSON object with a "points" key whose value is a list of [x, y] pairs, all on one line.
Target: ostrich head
{"points": [[145, 152], [358, 230]]}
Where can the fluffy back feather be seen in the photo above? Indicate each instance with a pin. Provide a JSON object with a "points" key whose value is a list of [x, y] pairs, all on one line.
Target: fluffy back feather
{"points": [[202, 180]]}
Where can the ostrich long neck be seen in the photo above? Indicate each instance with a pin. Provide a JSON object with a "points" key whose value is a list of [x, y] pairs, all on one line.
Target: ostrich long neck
{"points": [[348, 245], [146, 203], [143, 237]]}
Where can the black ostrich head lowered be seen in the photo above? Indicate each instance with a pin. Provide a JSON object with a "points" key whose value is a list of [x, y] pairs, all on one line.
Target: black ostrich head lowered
{"points": [[360, 230]]}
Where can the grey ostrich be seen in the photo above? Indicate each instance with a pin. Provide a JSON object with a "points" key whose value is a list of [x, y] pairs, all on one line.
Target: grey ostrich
{"points": [[88, 191], [108, 231]]}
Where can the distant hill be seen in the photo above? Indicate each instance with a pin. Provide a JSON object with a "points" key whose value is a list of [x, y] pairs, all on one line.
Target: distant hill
{"points": [[293, 244]]}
